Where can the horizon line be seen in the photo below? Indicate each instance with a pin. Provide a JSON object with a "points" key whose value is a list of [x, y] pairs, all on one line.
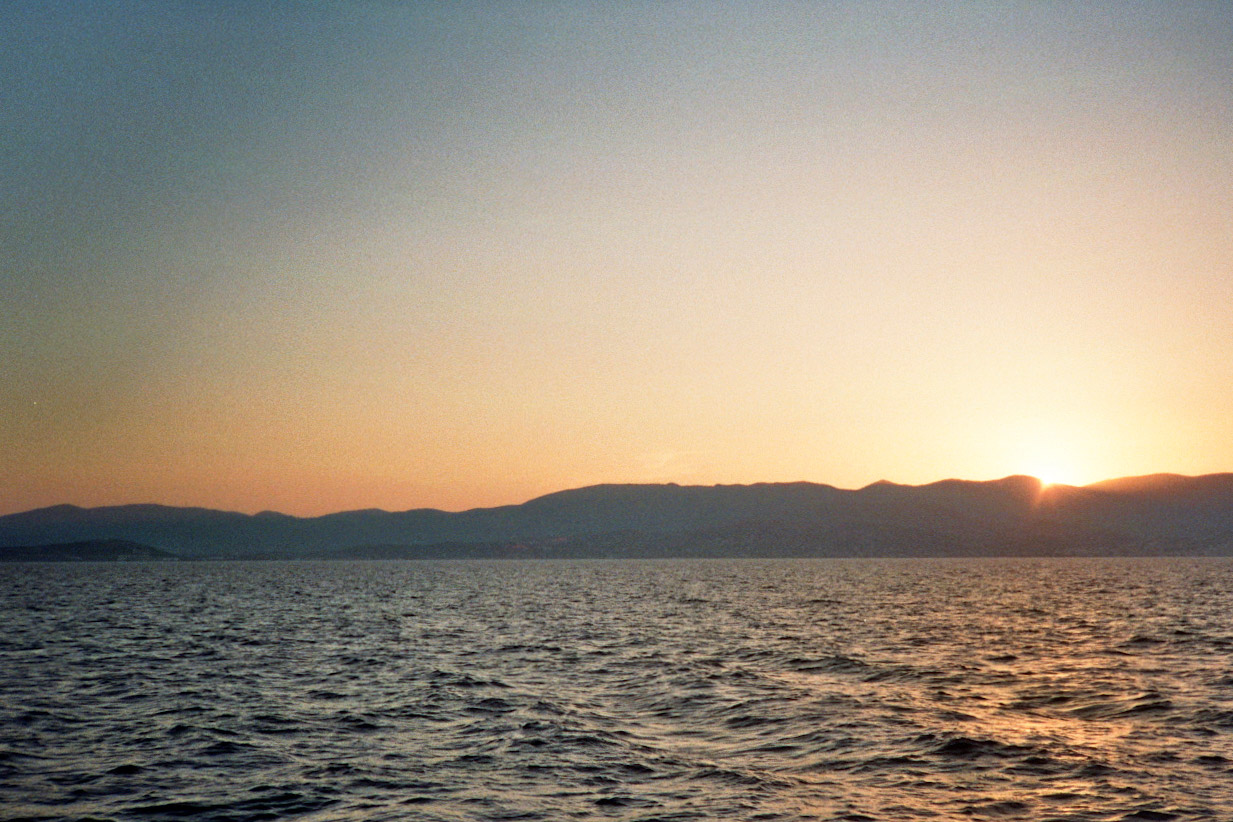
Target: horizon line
{"points": [[881, 482]]}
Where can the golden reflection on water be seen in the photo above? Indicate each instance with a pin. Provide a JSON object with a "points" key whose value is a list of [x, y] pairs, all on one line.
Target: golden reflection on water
{"points": [[1050, 688]]}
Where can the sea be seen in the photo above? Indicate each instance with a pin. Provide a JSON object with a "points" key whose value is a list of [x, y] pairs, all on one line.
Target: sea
{"points": [[855, 690]]}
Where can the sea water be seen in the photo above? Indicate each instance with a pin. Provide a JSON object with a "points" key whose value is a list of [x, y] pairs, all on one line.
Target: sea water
{"points": [[1096, 689]]}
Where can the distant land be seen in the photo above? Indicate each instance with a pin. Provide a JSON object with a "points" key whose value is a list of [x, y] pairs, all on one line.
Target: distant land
{"points": [[1160, 514], [95, 550]]}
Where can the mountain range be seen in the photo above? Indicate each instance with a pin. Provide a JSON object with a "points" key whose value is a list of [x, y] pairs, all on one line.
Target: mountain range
{"points": [[1164, 514]]}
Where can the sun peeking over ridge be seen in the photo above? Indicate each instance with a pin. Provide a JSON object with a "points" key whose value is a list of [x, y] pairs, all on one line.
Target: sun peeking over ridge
{"points": [[1050, 459], [1049, 473], [1052, 472], [1047, 478]]}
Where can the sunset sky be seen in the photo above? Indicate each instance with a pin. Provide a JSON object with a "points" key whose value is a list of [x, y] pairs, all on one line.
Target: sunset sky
{"points": [[321, 256]]}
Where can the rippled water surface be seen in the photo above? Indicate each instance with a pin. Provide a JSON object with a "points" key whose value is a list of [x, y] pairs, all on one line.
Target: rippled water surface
{"points": [[832, 689]]}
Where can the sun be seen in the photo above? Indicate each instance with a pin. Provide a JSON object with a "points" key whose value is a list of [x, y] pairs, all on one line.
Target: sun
{"points": [[1047, 477], [1050, 470], [1050, 461]]}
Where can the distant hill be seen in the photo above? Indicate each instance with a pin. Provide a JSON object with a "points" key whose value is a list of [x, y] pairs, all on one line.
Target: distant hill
{"points": [[100, 550], [1158, 514]]}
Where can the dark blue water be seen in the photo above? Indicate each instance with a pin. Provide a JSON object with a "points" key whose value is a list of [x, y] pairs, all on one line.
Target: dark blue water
{"points": [[780, 690]]}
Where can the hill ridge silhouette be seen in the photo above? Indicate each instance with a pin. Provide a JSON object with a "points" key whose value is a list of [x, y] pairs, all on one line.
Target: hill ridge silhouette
{"points": [[1017, 514]]}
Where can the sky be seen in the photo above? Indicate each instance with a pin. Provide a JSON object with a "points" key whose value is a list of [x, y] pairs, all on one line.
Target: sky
{"points": [[312, 257]]}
